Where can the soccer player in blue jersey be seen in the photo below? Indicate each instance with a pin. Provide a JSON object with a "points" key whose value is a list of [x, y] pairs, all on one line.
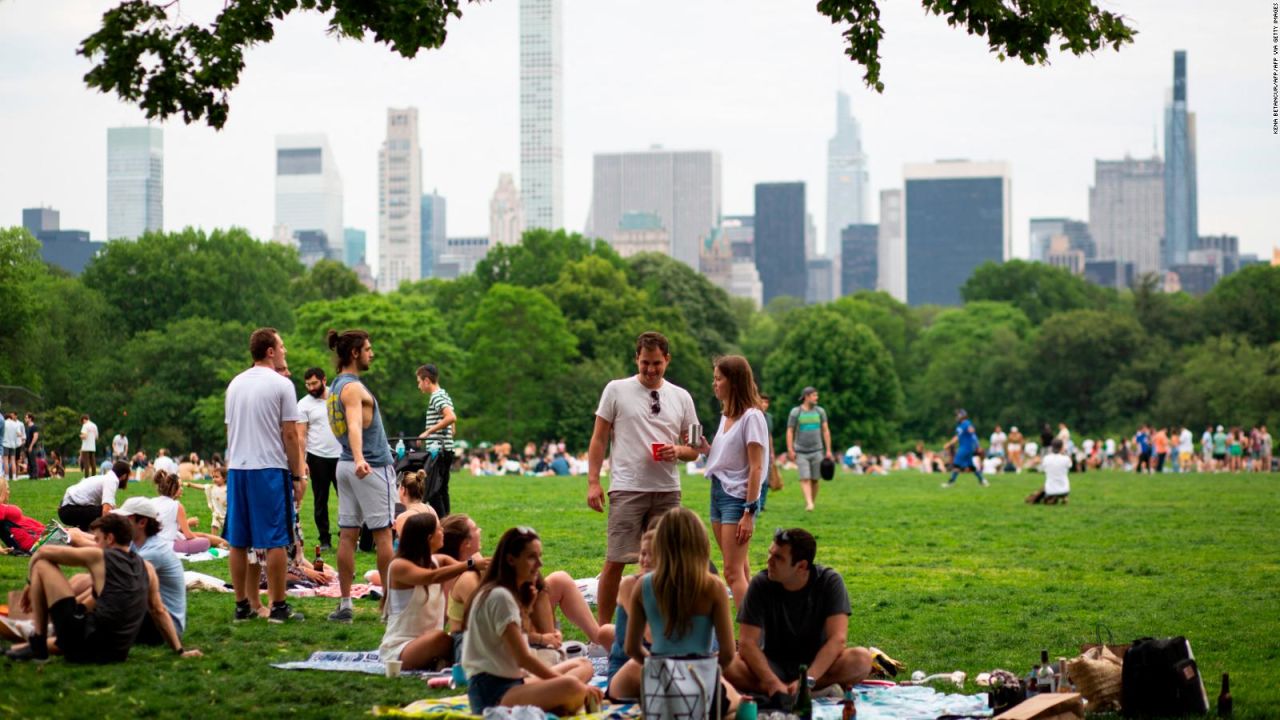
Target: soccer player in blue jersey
{"points": [[966, 445]]}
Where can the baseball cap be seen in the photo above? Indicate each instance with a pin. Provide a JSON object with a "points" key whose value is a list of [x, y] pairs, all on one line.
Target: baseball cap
{"points": [[138, 506], [807, 390]]}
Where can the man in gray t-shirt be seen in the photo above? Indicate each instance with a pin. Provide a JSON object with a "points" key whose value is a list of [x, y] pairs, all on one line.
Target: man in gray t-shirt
{"points": [[808, 442]]}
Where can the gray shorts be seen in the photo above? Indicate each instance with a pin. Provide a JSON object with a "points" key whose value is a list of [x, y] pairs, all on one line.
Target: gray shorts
{"points": [[370, 500], [629, 514], [810, 464]]}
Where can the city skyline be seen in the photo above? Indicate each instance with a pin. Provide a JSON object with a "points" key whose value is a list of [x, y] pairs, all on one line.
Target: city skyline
{"points": [[468, 93]]}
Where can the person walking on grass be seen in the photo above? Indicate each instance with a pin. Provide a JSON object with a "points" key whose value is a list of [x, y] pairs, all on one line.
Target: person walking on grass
{"points": [[965, 442], [438, 435], [808, 442], [264, 474], [642, 422], [366, 471]]}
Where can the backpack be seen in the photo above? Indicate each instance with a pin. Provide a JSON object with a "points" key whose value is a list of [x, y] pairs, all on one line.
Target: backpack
{"points": [[1160, 678]]}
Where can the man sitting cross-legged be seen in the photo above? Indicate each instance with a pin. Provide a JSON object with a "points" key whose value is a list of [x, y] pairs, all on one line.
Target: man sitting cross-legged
{"points": [[121, 583], [797, 613]]}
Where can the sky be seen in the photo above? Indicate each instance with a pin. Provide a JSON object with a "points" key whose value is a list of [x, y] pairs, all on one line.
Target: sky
{"points": [[755, 80]]}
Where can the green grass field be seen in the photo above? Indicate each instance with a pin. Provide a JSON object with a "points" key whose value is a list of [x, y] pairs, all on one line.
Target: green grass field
{"points": [[967, 578]]}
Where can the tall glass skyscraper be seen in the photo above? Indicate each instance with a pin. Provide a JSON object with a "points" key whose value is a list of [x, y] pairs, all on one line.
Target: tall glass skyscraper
{"points": [[847, 180], [135, 181], [541, 114], [309, 194], [779, 239], [434, 226], [400, 201], [1181, 222]]}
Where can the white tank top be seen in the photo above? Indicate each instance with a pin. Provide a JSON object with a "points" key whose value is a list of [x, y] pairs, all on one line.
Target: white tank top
{"points": [[168, 511]]}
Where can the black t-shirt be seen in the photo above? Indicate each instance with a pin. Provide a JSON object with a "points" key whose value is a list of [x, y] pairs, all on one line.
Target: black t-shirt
{"points": [[791, 623], [33, 443]]}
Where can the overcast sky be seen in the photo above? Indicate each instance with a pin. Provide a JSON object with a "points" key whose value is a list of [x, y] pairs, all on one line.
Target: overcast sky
{"points": [[753, 79]]}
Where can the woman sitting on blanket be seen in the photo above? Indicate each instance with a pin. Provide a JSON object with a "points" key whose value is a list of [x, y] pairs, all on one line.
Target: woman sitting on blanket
{"points": [[18, 532], [681, 602], [414, 610], [412, 488], [501, 670], [173, 519], [624, 673]]}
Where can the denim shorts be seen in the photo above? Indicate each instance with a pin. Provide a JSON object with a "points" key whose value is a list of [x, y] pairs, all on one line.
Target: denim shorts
{"points": [[725, 508], [485, 690]]}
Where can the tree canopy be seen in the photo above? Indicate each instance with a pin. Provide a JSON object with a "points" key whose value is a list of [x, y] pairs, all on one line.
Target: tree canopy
{"points": [[149, 54]]}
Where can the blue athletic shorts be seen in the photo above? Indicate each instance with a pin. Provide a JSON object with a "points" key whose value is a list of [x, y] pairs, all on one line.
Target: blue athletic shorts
{"points": [[259, 508]]}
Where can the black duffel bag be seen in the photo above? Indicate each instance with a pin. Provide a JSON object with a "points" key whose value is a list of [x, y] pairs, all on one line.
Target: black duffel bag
{"points": [[1160, 679]]}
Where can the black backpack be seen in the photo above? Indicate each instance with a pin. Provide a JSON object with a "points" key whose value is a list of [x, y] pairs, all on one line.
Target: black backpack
{"points": [[1160, 679]]}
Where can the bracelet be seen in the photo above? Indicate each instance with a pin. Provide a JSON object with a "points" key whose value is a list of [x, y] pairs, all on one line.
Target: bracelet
{"points": [[180, 650], [471, 563]]}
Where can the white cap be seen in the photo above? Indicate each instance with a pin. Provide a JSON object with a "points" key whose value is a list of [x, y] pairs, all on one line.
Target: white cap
{"points": [[138, 506]]}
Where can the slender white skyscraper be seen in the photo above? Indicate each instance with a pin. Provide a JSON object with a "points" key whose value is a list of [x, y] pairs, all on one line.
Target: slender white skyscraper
{"points": [[847, 180], [506, 213], [400, 201], [135, 181], [541, 114], [309, 194]]}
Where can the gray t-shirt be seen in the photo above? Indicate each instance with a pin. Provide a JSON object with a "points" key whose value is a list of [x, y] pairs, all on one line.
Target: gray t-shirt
{"points": [[173, 587], [808, 426]]}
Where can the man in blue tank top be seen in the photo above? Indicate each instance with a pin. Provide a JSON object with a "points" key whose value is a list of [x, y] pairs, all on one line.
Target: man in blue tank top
{"points": [[366, 469]]}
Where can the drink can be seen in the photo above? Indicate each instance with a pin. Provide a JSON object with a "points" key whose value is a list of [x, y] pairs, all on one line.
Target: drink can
{"points": [[695, 435]]}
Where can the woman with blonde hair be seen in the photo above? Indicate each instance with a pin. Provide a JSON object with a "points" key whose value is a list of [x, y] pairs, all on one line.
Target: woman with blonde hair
{"points": [[681, 602], [174, 527], [736, 465]]}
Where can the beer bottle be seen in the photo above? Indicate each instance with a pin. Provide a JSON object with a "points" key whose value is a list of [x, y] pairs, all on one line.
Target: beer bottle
{"points": [[848, 709], [1224, 697], [318, 565], [803, 707]]}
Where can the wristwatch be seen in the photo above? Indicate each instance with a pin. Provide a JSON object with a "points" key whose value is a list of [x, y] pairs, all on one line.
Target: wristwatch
{"points": [[751, 508], [471, 563]]}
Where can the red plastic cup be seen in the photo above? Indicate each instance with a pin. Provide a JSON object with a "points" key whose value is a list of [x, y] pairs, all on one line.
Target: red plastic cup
{"points": [[657, 448]]}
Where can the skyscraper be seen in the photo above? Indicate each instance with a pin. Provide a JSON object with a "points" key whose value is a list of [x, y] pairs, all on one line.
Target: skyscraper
{"points": [[681, 187], [309, 194], [434, 224], [1043, 231], [541, 114], [958, 216], [353, 247], [399, 201], [847, 180], [779, 239], [891, 247], [1181, 219], [506, 213], [1126, 211], [859, 258], [135, 181]]}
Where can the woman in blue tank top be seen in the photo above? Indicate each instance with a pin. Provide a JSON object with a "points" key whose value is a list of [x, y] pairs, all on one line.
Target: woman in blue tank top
{"points": [[681, 602]]}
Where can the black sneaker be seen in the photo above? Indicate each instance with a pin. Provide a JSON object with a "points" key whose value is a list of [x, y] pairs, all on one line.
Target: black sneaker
{"points": [[36, 650], [342, 615], [244, 612], [283, 613]]}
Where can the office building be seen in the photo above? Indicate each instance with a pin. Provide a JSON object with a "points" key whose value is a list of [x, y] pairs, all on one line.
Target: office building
{"points": [[1220, 251], [1126, 211], [1061, 254], [891, 247], [434, 225], [1181, 219], [1192, 278], [859, 258], [778, 239], [1115, 274], [847, 179], [641, 232], [400, 201], [70, 250], [309, 196], [353, 247], [506, 213], [738, 232], [1043, 230], [541, 113], [958, 216], [460, 256], [135, 182], [821, 278], [681, 187]]}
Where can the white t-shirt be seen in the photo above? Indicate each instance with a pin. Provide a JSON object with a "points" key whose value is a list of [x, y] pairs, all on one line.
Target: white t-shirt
{"points": [[1088, 446], [997, 441], [1185, 442], [167, 509], [320, 439], [1032, 449], [13, 433], [728, 457], [89, 441], [627, 404], [120, 445], [1110, 446], [167, 464], [483, 650], [258, 401], [1056, 466], [94, 490], [991, 465]]}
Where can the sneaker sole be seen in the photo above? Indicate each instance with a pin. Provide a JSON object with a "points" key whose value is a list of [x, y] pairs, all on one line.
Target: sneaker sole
{"points": [[342, 621]]}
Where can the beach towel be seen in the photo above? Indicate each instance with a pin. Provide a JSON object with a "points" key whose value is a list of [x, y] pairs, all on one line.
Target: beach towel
{"points": [[458, 707], [361, 662]]}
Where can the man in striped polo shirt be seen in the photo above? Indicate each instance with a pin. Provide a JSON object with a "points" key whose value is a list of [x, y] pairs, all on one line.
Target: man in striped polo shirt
{"points": [[438, 435]]}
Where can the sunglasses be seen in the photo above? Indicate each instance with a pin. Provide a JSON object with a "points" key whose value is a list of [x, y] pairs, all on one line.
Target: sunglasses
{"points": [[782, 536], [527, 531], [656, 406]]}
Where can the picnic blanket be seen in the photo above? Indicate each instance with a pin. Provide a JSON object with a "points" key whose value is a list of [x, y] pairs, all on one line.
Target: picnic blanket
{"points": [[362, 662], [459, 708]]}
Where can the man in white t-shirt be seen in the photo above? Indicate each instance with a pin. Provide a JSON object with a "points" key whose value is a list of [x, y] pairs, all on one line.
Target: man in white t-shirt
{"points": [[15, 435], [93, 497], [88, 445], [321, 449], [165, 463], [1186, 450], [120, 447], [643, 422], [998, 439], [262, 460], [1057, 468]]}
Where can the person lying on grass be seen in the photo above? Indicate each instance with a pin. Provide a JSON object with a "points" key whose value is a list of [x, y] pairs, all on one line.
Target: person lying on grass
{"points": [[123, 588], [500, 667], [415, 605]]}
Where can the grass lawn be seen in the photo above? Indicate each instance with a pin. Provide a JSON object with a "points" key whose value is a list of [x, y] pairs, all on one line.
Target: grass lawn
{"points": [[966, 578]]}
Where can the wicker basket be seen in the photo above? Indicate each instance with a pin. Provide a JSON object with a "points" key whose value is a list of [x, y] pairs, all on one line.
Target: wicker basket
{"points": [[1096, 675]]}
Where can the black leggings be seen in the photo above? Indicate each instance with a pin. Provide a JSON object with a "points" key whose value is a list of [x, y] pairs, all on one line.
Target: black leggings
{"points": [[79, 515]]}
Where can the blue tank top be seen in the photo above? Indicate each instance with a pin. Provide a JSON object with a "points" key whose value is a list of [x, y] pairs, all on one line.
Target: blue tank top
{"points": [[377, 451], [696, 642]]}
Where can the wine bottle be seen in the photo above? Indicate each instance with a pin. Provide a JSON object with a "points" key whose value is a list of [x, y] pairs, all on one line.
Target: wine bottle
{"points": [[803, 707], [1224, 698], [1044, 678]]}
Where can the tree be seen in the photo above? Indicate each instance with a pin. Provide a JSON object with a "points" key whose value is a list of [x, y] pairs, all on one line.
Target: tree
{"points": [[148, 54], [851, 369], [76, 330], [890, 320], [327, 280], [1039, 290], [1246, 302], [1172, 316], [1076, 358], [520, 346], [163, 277], [539, 258], [597, 300], [705, 307], [20, 263], [1224, 380]]}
